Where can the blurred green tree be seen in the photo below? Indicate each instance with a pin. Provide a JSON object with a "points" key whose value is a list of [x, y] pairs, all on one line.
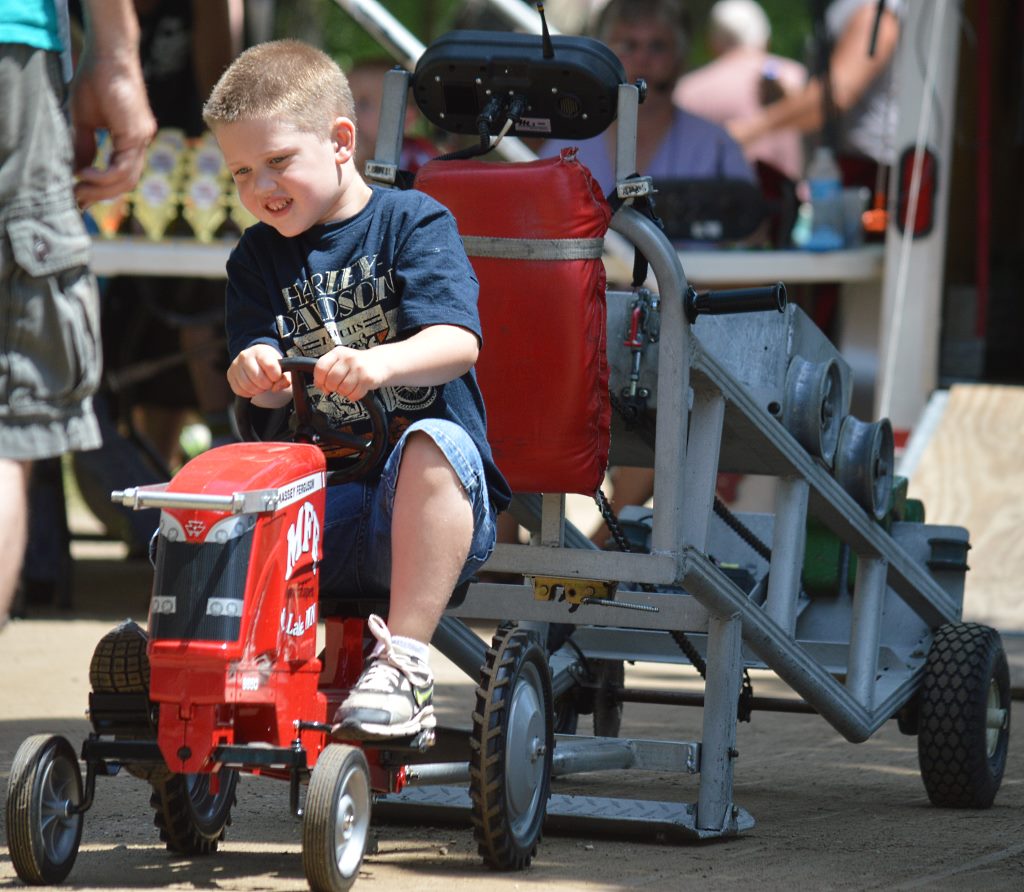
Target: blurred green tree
{"points": [[324, 23]]}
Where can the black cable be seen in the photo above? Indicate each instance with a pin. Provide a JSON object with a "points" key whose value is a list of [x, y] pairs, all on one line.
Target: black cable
{"points": [[874, 28], [746, 697], [691, 652], [495, 110], [741, 530], [823, 70]]}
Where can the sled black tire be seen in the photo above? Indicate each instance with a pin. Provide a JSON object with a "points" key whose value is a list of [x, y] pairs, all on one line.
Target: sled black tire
{"points": [[42, 838], [190, 816], [611, 675], [964, 717], [336, 819], [601, 698], [511, 748]]}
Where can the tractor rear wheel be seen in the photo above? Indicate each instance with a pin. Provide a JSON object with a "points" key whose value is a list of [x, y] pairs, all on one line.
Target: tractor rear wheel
{"points": [[511, 749]]}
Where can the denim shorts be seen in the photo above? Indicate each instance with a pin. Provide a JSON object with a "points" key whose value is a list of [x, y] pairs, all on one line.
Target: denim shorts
{"points": [[49, 307], [357, 529]]}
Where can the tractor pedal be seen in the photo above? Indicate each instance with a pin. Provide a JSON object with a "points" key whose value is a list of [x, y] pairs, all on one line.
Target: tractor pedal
{"points": [[418, 743]]}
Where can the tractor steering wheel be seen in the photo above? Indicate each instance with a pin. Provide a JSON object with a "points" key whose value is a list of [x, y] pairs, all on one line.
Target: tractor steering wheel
{"points": [[314, 427]]}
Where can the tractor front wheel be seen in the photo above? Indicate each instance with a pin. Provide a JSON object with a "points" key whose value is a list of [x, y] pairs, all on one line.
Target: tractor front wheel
{"points": [[336, 819], [44, 825]]}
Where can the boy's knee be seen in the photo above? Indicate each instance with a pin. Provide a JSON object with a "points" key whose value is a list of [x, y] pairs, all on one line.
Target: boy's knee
{"points": [[422, 456], [422, 449]]}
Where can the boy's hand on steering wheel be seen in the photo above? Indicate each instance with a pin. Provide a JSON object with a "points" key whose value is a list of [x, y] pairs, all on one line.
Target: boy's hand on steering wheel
{"points": [[257, 370], [350, 373]]}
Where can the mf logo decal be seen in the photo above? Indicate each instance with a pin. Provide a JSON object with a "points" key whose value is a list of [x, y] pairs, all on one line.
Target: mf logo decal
{"points": [[195, 528], [303, 537]]}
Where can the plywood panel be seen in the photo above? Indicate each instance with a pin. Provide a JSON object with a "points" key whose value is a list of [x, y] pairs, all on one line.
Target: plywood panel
{"points": [[971, 474]]}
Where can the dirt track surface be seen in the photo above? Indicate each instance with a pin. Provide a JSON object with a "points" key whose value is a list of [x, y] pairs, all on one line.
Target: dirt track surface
{"points": [[830, 814]]}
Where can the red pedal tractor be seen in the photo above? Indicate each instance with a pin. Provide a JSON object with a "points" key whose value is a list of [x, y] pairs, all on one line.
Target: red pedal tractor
{"points": [[228, 678]]}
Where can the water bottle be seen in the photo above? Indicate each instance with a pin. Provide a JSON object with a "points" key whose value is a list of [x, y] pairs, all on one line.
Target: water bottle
{"points": [[826, 187]]}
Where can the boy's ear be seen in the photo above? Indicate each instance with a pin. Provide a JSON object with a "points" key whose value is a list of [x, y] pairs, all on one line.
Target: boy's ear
{"points": [[344, 135]]}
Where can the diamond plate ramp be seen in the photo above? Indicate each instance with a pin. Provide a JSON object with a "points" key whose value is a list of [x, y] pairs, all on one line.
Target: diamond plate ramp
{"points": [[567, 814]]}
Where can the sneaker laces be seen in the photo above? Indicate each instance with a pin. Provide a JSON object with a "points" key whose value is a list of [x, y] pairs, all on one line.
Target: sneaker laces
{"points": [[380, 676], [388, 665]]}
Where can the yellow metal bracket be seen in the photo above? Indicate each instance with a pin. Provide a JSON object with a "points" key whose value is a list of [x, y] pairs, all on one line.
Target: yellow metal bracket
{"points": [[557, 588]]}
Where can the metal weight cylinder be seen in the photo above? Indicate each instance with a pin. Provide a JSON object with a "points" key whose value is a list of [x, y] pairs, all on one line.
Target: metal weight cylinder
{"points": [[814, 404], [864, 463]]}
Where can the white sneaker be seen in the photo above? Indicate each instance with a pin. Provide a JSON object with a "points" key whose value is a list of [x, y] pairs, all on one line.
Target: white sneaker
{"points": [[393, 697]]}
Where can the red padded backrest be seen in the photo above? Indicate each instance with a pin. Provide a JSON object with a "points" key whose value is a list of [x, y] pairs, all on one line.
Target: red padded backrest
{"points": [[543, 369]]}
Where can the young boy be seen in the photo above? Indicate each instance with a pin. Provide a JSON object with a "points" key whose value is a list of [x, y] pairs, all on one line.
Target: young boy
{"points": [[332, 269]]}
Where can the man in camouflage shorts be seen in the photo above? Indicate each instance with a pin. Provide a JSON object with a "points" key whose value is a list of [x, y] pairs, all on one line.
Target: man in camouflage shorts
{"points": [[49, 318]]}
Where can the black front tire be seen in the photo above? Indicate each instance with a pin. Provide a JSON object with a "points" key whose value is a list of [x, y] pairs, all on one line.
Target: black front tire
{"points": [[45, 785], [964, 716], [192, 811], [511, 748]]}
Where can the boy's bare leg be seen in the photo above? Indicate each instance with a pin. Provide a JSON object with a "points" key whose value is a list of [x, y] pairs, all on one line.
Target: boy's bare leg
{"points": [[13, 528], [431, 530]]}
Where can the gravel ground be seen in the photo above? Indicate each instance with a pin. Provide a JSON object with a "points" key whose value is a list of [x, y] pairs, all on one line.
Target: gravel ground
{"points": [[829, 814]]}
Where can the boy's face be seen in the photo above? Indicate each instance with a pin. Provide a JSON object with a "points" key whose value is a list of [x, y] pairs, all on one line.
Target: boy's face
{"points": [[285, 177]]}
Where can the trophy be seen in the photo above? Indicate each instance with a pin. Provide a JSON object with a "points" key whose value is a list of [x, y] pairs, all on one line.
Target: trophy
{"points": [[204, 206]]}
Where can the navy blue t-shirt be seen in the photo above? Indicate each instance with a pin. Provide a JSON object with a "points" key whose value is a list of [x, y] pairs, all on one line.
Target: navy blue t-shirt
{"points": [[395, 267]]}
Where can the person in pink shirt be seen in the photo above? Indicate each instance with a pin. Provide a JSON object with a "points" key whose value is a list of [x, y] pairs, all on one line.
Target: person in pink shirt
{"points": [[742, 79], [862, 89]]}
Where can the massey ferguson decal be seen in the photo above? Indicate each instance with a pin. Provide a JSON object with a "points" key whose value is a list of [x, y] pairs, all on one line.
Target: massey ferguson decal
{"points": [[300, 489], [303, 538], [195, 528]]}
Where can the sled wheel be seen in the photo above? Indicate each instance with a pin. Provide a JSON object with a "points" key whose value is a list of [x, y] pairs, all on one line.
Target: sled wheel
{"points": [[566, 715], [599, 697], [611, 678], [510, 750], [964, 719], [192, 810], [814, 406], [864, 463], [43, 830], [336, 819]]}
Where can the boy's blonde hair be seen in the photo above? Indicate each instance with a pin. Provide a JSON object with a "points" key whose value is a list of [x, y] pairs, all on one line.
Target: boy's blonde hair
{"points": [[279, 79]]}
